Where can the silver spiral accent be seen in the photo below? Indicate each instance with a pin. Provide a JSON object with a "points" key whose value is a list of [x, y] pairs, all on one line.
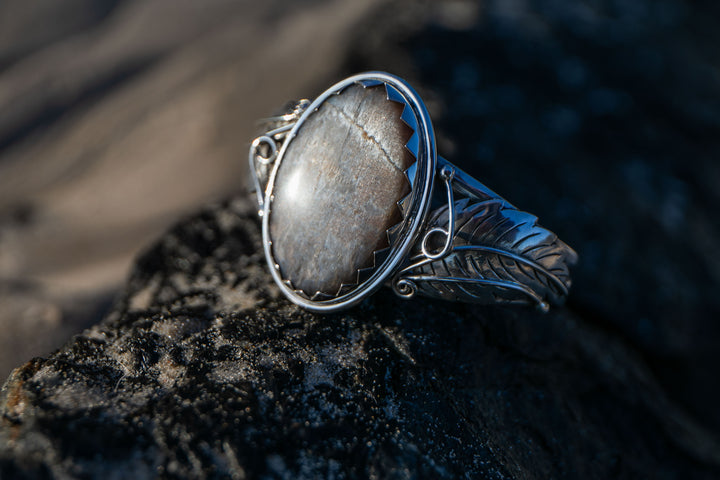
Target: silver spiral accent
{"points": [[255, 147], [261, 165], [404, 288], [493, 253]]}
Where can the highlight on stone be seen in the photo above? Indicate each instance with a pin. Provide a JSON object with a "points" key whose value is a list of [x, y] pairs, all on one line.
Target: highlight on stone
{"points": [[337, 189]]}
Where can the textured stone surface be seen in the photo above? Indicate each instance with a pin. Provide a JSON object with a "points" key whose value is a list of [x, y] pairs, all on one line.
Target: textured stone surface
{"points": [[602, 120], [337, 188], [601, 117], [204, 371]]}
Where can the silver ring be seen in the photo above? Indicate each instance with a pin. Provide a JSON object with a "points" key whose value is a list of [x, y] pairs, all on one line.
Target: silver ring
{"points": [[353, 196]]}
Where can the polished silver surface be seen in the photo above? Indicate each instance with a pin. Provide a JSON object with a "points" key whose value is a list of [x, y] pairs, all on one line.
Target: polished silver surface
{"points": [[486, 251], [457, 239]]}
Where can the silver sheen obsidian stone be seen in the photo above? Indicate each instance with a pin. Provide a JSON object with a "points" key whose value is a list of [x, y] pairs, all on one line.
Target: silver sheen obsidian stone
{"points": [[337, 188]]}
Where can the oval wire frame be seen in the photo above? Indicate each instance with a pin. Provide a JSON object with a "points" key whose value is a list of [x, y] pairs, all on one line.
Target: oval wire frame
{"points": [[422, 186]]}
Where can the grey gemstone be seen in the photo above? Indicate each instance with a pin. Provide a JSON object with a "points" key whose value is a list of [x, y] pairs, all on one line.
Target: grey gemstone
{"points": [[337, 189]]}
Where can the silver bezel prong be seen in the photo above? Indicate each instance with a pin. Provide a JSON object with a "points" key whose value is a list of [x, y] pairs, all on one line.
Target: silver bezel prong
{"points": [[422, 181]]}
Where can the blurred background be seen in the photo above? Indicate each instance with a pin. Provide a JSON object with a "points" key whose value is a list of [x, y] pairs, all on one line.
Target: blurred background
{"points": [[119, 117]]}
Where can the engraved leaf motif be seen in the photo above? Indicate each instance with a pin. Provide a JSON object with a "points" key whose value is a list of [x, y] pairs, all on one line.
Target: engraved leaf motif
{"points": [[500, 255]]}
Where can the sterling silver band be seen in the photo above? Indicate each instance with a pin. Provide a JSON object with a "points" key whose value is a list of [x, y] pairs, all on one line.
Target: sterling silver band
{"points": [[458, 240]]}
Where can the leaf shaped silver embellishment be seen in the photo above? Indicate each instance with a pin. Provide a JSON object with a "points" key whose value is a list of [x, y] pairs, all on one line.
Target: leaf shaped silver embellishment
{"points": [[499, 255]]}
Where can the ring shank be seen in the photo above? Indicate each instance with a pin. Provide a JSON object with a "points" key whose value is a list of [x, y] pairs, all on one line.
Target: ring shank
{"points": [[497, 253]]}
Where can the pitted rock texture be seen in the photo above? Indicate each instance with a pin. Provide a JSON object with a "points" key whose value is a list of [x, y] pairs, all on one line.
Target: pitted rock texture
{"points": [[203, 371], [337, 189], [601, 117]]}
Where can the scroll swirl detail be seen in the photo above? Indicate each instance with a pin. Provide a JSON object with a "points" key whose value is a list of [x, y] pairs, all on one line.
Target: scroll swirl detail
{"points": [[499, 255], [264, 149]]}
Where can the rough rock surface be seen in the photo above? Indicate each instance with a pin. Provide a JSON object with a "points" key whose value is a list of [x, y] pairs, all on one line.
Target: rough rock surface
{"points": [[202, 371], [601, 117]]}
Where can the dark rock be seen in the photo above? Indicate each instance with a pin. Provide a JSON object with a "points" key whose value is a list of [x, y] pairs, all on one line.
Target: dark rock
{"points": [[600, 117], [337, 189], [602, 120], [203, 371]]}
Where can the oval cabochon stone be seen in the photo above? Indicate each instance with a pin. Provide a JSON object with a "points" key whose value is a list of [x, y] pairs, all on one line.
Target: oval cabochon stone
{"points": [[337, 188]]}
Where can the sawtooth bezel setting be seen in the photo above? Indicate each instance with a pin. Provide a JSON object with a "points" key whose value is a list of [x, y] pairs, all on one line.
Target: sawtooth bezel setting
{"points": [[414, 207]]}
